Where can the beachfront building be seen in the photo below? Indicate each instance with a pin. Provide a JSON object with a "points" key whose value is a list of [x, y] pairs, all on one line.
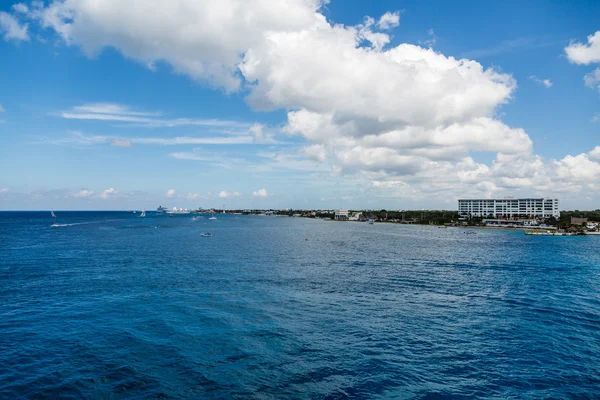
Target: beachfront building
{"points": [[509, 208], [342, 215]]}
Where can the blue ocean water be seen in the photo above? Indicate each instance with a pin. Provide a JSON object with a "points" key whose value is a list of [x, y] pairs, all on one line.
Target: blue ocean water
{"points": [[114, 306]]}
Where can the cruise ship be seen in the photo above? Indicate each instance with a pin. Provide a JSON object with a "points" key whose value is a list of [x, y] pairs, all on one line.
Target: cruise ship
{"points": [[176, 210]]}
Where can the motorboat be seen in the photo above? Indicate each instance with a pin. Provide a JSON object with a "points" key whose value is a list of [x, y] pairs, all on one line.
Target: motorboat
{"points": [[206, 234]]}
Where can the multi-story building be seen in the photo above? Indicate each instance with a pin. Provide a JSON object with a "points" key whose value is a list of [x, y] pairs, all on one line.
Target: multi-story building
{"points": [[509, 208], [342, 215]]}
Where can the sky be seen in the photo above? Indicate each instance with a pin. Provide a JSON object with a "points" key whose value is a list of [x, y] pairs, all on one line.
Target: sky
{"points": [[120, 105]]}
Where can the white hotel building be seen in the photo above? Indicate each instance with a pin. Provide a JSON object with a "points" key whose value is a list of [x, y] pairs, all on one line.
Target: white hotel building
{"points": [[509, 208]]}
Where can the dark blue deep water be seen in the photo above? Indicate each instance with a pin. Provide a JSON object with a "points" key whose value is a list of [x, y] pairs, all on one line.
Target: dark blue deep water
{"points": [[113, 306]]}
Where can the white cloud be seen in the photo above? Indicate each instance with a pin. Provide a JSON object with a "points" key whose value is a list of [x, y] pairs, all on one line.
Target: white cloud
{"points": [[202, 39], [81, 139], [592, 80], [260, 193], [545, 82], [112, 108], [260, 134], [88, 193], [224, 194], [170, 193], [194, 140], [404, 118], [195, 196], [11, 28], [20, 8], [585, 53], [4, 190], [109, 193], [389, 20], [121, 143], [122, 113], [430, 42], [595, 153]]}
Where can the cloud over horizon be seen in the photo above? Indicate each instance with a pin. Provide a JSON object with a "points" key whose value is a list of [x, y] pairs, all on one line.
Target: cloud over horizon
{"points": [[398, 117]]}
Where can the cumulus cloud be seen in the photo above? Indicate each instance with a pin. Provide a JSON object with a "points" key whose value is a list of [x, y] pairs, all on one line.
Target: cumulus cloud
{"points": [[389, 20], [202, 39], [592, 80], [108, 193], [11, 28], [260, 193], [224, 194], [585, 53], [402, 117], [545, 82], [170, 193], [259, 134], [20, 8], [89, 193]]}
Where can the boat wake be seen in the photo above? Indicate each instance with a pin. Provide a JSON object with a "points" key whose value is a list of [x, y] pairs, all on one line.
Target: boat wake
{"points": [[56, 225]]}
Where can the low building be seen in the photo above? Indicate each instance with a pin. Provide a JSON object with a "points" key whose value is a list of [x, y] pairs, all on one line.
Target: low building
{"points": [[578, 221], [511, 223]]}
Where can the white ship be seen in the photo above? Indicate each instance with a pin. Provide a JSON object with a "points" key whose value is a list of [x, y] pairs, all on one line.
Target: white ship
{"points": [[176, 210]]}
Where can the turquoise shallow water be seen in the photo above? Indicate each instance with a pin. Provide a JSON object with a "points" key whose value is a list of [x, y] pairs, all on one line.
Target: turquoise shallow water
{"points": [[117, 307]]}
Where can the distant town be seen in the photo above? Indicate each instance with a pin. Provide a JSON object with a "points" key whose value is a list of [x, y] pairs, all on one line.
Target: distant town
{"points": [[523, 213]]}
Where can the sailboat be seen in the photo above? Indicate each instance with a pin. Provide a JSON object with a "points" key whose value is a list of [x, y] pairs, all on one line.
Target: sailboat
{"points": [[212, 216], [143, 214], [54, 219]]}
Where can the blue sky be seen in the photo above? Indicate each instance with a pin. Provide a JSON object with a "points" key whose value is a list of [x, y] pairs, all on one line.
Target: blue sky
{"points": [[128, 105]]}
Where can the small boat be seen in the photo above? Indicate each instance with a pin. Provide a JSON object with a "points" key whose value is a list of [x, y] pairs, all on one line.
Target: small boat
{"points": [[206, 234], [212, 216], [135, 212], [143, 214], [442, 227]]}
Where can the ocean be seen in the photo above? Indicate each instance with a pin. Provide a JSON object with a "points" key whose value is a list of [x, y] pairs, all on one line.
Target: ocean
{"points": [[112, 306]]}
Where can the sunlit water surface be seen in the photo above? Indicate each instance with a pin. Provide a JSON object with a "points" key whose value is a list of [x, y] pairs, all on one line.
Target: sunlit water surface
{"points": [[111, 305]]}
